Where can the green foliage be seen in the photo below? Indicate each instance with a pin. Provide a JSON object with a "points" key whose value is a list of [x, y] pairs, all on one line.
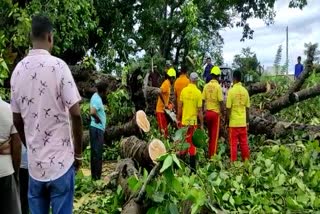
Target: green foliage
{"points": [[120, 107], [248, 64]]}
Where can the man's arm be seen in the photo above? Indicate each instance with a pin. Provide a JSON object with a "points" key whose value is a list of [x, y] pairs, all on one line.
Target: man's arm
{"points": [[76, 128], [16, 152], [19, 124], [93, 113], [180, 104], [248, 117]]}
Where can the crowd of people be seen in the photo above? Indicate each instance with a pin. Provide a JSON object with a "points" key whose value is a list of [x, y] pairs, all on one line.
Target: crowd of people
{"points": [[41, 128], [215, 102]]}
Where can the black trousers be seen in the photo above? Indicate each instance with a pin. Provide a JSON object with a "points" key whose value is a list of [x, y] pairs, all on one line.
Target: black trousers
{"points": [[9, 196], [97, 141], [24, 184]]}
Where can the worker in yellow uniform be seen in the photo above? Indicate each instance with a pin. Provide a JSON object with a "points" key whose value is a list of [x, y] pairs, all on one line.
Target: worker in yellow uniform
{"points": [[238, 104], [213, 104], [181, 82], [163, 101], [189, 109]]}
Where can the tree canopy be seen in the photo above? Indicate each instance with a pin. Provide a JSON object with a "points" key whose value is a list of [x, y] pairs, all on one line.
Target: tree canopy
{"points": [[116, 30]]}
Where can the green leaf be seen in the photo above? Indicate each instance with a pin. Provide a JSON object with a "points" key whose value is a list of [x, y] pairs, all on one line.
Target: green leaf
{"points": [[226, 196], [180, 134], [167, 163], [176, 160], [293, 204], [173, 208], [158, 197], [282, 179]]}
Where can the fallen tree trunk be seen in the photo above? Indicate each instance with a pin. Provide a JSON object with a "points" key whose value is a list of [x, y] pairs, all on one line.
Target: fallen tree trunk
{"points": [[290, 99], [135, 126], [141, 152]]}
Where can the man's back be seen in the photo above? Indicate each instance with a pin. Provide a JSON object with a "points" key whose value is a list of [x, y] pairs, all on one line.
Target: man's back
{"points": [[212, 94], [181, 82], [6, 129], [43, 90], [238, 100], [192, 100], [298, 70]]}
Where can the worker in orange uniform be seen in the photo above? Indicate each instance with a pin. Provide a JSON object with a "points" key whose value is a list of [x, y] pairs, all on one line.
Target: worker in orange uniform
{"points": [[238, 103], [213, 104], [189, 109], [163, 101], [181, 82]]}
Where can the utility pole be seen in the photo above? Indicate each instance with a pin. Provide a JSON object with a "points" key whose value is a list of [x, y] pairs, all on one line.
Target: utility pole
{"points": [[287, 49]]}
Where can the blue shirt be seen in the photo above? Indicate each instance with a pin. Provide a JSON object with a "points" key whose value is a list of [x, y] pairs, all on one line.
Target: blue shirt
{"points": [[206, 74], [96, 102], [298, 70]]}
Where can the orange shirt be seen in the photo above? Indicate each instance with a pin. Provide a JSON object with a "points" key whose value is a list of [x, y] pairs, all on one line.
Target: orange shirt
{"points": [[165, 91], [238, 100], [180, 84]]}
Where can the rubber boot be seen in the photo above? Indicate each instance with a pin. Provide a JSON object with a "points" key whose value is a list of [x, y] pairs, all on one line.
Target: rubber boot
{"points": [[193, 164]]}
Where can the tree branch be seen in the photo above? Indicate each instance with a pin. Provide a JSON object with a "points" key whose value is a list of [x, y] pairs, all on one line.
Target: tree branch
{"points": [[260, 87]]}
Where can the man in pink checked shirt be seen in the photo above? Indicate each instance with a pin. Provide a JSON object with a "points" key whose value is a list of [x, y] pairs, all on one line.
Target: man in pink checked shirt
{"points": [[43, 97]]}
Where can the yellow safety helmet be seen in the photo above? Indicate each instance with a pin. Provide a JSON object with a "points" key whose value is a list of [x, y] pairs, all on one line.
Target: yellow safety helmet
{"points": [[215, 70], [171, 72]]}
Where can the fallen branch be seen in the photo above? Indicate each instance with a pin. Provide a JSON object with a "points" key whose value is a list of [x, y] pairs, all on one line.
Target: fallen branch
{"points": [[141, 195], [260, 87]]}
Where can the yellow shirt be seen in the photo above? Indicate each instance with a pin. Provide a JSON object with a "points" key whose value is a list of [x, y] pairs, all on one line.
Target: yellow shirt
{"points": [[238, 100], [212, 95], [165, 91], [191, 100], [180, 84]]}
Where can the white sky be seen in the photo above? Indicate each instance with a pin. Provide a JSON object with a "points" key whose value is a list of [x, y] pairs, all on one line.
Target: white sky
{"points": [[304, 27]]}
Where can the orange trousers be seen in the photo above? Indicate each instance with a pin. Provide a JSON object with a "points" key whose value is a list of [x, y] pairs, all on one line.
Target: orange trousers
{"points": [[238, 135], [162, 123], [213, 123]]}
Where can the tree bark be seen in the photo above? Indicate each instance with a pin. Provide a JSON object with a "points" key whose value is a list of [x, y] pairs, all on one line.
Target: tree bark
{"points": [[290, 99], [126, 169], [136, 126], [260, 87], [141, 152]]}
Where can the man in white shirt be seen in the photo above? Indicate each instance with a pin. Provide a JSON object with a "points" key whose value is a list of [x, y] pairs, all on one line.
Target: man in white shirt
{"points": [[10, 149]]}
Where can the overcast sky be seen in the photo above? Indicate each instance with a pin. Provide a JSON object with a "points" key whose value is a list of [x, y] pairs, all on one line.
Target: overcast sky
{"points": [[304, 27]]}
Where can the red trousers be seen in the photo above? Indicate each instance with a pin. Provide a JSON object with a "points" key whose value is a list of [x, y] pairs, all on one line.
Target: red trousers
{"points": [[192, 149], [238, 135], [213, 123], [162, 123]]}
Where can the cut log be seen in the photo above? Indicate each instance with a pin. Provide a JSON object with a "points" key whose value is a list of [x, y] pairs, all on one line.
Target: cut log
{"points": [[141, 152], [137, 125]]}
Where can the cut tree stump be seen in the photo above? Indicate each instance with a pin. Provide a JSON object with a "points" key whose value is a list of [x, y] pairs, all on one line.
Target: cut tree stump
{"points": [[136, 126], [145, 154]]}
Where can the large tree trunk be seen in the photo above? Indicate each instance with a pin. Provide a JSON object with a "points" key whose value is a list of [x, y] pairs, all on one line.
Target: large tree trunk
{"points": [[260, 87], [145, 154], [135, 126]]}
